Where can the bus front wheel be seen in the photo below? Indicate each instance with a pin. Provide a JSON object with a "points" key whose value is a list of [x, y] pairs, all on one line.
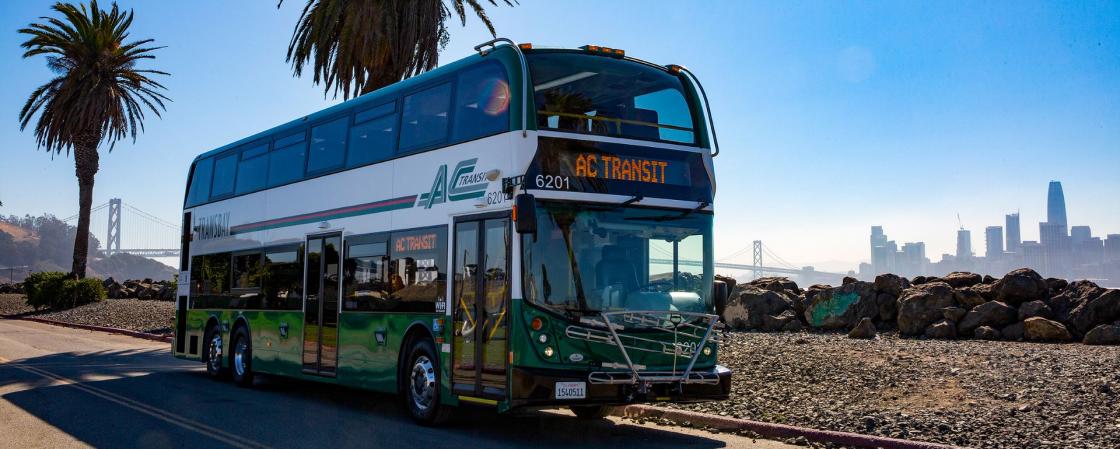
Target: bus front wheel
{"points": [[212, 354], [421, 384], [241, 361], [590, 411]]}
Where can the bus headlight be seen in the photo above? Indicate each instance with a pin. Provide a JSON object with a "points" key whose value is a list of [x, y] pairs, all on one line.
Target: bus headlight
{"points": [[707, 351], [548, 352]]}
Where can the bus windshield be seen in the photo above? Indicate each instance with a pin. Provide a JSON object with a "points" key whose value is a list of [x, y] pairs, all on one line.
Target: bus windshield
{"points": [[607, 96], [586, 260]]}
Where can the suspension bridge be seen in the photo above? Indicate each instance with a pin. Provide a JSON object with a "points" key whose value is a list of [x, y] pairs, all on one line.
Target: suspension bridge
{"points": [[123, 228]]}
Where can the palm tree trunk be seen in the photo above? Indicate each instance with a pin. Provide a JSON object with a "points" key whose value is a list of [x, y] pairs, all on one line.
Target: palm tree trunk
{"points": [[85, 167]]}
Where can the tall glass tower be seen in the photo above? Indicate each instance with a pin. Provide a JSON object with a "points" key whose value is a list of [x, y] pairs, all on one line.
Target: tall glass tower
{"points": [[1056, 206]]}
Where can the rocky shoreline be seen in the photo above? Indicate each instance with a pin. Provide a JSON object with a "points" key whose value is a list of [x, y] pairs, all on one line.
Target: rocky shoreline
{"points": [[971, 393], [1020, 306]]}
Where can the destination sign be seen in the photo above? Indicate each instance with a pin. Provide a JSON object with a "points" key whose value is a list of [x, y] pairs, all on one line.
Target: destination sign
{"points": [[603, 167]]}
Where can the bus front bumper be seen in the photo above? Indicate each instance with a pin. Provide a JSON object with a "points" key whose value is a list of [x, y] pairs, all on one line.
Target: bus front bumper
{"points": [[536, 387]]}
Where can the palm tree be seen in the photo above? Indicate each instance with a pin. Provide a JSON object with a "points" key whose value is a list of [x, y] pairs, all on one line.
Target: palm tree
{"points": [[358, 46], [98, 95]]}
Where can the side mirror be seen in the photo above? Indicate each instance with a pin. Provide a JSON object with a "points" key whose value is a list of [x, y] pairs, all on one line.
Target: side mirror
{"points": [[720, 294], [525, 215]]}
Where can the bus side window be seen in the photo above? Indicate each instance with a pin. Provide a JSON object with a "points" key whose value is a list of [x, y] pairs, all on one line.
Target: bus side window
{"points": [[418, 268], [373, 136], [225, 171], [481, 102], [328, 145], [200, 182], [282, 283], [252, 172], [285, 162], [424, 120], [210, 281]]}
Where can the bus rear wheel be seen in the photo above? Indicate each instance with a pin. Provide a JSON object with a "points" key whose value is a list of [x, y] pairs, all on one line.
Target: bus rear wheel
{"points": [[212, 354], [421, 385], [590, 411], [241, 361]]}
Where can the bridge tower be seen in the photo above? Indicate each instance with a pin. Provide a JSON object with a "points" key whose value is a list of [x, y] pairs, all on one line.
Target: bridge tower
{"points": [[113, 237], [757, 259]]}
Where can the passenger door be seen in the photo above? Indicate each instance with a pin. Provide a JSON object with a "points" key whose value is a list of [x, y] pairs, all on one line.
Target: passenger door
{"points": [[321, 289], [481, 303]]}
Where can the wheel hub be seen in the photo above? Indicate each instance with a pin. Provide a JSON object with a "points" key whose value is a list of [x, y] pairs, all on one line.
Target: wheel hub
{"points": [[239, 357], [215, 356], [423, 383]]}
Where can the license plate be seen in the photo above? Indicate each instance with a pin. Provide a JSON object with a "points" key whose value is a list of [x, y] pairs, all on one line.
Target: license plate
{"points": [[571, 390]]}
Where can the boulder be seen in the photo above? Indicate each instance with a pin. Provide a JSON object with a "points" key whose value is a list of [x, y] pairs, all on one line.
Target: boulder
{"points": [[1042, 329], [961, 279], [778, 284], [774, 323], [954, 314], [1012, 332], [1033, 309], [1020, 286], [792, 326], [863, 330], [891, 284], [1056, 285], [108, 281], [986, 333], [748, 309], [943, 330], [988, 279], [841, 307], [919, 280], [728, 280], [992, 313], [968, 297], [1105, 334], [1100, 310], [848, 280], [921, 306], [888, 307]]}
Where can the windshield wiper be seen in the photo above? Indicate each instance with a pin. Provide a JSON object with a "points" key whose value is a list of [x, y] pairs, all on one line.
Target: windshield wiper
{"points": [[632, 200], [679, 216]]}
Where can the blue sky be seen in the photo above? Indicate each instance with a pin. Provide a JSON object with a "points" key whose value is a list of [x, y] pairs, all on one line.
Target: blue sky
{"points": [[834, 116]]}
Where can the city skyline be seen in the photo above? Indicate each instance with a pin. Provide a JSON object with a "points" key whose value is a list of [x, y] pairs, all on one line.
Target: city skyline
{"points": [[1060, 251], [896, 114]]}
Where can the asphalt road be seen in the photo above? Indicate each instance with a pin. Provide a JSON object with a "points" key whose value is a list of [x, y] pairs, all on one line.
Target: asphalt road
{"points": [[63, 387]]}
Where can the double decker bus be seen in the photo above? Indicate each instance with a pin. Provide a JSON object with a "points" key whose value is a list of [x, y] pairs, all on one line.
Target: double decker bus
{"points": [[525, 227]]}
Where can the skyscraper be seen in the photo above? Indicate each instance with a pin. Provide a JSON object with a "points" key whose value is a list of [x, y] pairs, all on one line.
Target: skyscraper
{"points": [[1013, 236], [1056, 207], [1079, 235], [964, 244], [993, 242]]}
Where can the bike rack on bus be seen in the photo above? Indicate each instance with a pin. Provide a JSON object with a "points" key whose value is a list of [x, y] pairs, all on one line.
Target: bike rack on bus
{"points": [[679, 324], [481, 49]]}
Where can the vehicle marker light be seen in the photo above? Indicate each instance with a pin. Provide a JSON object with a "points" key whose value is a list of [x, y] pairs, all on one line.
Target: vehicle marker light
{"points": [[543, 338], [548, 352], [537, 323], [526, 46], [707, 351]]}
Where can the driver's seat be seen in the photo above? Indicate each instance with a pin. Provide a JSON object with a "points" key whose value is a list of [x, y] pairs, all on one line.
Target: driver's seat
{"points": [[615, 269]]}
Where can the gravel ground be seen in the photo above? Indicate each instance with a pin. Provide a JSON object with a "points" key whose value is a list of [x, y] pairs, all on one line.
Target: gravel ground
{"points": [[133, 314], [981, 394]]}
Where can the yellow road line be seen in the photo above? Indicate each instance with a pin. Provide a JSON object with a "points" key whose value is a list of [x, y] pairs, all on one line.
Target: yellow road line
{"points": [[155, 412]]}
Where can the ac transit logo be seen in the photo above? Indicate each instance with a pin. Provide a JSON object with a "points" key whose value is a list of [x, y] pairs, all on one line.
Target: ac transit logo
{"points": [[464, 184]]}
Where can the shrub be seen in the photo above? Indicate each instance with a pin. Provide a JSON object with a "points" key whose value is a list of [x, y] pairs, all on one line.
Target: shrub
{"points": [[57, 291], [43, 288]]}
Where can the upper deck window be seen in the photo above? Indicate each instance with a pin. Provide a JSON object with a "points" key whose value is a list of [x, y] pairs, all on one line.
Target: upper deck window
{"points": [[424, 120], [612, 97], [199, 190], [481, 102]]}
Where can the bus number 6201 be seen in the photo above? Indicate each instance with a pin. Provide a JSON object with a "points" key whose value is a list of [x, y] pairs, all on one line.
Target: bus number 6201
{"points": [[554, 182]]}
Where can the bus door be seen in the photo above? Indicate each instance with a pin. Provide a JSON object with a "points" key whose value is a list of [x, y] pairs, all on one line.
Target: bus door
{"points": [[320, 304], [481, 305]]}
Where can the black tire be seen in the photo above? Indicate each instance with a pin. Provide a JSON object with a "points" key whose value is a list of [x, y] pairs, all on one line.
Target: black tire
{"points": [[420, 385], [241, 358], [590, 411], [212, 354]]}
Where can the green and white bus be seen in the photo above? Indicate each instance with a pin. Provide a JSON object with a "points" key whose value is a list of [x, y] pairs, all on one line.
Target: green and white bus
{"points": [[525, 227]]}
